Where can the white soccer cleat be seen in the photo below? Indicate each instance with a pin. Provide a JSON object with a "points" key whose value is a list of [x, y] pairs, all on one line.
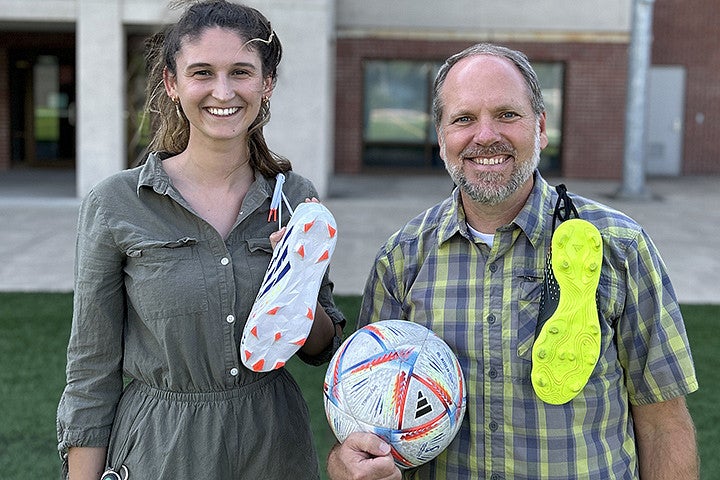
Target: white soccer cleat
{"points": [[284, 309]]}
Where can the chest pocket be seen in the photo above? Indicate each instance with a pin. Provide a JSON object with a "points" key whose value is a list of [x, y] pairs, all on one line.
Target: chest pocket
{"points": [[529, 287], [258, 258], [165, 279]]}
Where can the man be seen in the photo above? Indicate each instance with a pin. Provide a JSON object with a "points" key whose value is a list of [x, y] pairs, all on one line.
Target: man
{"points": [[473, 269]]}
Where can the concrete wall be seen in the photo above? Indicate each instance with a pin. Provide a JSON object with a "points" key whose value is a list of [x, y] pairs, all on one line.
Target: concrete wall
{"points": [[302, 106], [502, 18]]}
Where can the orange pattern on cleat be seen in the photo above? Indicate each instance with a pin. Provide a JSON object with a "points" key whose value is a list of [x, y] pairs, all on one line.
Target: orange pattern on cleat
{"points": [[283, 313]]}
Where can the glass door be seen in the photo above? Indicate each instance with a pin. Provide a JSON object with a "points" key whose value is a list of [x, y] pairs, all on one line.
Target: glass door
{"points": [[42, 92]]}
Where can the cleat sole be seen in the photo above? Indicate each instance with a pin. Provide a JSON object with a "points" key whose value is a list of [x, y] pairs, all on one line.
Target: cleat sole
{"points": [[567, 346]]}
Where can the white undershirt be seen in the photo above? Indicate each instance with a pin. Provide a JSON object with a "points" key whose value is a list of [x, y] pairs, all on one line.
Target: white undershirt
{"points": [[488, 238]]}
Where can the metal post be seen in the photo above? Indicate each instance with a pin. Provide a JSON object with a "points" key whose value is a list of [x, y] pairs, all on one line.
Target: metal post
{"points": [[633, 185]]}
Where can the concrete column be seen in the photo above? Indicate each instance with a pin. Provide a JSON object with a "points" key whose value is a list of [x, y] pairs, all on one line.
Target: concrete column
{"points": [[633, 184], [100, 92], [302, 106]]}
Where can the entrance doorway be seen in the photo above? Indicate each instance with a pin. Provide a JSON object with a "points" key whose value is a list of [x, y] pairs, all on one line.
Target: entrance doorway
{"points": [[42, 107]]}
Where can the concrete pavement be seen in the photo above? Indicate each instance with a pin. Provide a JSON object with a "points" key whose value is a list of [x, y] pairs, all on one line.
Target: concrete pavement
{"points": [[38, 213]]}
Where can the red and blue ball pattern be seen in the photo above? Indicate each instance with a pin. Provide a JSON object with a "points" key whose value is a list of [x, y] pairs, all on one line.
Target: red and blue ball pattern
{"points": [[400, 381]]}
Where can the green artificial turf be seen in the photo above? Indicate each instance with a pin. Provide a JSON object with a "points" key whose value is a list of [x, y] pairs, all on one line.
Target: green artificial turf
{"points": [[34, 329]]}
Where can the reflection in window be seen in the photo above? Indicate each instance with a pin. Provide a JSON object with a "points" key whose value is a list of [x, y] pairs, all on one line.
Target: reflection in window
{"points": [[550, 76], [397, 126]]}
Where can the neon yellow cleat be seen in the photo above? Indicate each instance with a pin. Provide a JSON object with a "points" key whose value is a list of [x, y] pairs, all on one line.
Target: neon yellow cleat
{"points": [[567, 345]]}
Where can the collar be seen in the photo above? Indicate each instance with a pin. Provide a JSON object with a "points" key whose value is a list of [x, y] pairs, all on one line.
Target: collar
{"points": [[153, 175], [532, 218]]}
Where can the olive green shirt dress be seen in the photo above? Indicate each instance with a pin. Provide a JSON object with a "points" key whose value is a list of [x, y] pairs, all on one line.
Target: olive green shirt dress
{"points": [[160, 303]]}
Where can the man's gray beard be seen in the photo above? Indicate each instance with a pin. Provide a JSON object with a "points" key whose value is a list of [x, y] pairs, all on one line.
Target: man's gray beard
{"points": [[487, 188]]}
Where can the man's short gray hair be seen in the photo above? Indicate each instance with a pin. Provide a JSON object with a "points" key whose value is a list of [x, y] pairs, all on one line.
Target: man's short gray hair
{"points": [[518, 59]]}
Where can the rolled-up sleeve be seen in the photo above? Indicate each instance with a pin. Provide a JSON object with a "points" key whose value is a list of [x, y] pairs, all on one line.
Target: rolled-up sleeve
{"points": [[652, 341], [94, 357]]}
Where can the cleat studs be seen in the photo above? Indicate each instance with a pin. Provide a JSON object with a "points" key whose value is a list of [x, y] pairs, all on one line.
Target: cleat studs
{"points": [[272, 311], [257, 366], [308, 226], [254, 331], [301, 251], [331, 231], [323, 257], [278, 336], [310, 314]]}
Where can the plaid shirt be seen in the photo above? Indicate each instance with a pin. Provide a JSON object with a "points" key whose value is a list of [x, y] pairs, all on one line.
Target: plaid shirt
{"points": [[484, 302]]}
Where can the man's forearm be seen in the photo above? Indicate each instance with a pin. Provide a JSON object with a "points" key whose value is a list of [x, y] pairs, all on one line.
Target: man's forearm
{"points": [[667, 447]]}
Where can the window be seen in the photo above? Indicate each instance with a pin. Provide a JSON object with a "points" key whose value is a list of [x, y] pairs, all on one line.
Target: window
{"points": [[397, 126], [42, 106]]}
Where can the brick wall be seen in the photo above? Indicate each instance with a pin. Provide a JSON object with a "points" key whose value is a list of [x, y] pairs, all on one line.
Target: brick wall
{"points": [[594, 101], [686, 33]]}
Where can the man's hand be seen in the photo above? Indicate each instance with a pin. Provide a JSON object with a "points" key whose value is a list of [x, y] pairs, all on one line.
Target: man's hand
{"points": [[362, 456]]}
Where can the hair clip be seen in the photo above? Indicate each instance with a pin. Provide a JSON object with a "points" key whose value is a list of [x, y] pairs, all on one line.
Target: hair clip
{"points": [[266, 42]]}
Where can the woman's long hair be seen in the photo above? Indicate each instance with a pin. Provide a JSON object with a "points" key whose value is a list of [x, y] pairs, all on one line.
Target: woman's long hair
{"points": [[168, 122]]}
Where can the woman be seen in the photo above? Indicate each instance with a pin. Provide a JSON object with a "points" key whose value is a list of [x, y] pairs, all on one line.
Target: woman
{"points": [[170, 257]]}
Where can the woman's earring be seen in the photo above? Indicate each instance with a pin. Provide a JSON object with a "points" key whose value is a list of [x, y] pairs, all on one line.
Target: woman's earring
{"points": [[176, 101], [265, 107]]}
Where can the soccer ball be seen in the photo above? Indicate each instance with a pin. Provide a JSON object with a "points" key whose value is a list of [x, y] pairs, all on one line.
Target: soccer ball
{"points": [[400, 381]]}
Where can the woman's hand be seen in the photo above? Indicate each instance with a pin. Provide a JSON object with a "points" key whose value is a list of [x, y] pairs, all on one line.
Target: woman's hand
{"points": [[275, 237]]}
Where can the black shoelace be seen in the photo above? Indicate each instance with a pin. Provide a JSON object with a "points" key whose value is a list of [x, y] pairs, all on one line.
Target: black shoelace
{"points": [[564, 208]]}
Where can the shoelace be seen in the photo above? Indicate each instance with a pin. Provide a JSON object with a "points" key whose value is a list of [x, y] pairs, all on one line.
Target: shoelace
{"points": [[564, 208], [276, 203]]}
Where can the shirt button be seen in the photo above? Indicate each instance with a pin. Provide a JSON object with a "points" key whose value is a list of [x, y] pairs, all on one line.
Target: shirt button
{"points": [[493, 426], [224, 261], [491, 319], [493, 267], [234, 371], [230, 318], [493, 373]]}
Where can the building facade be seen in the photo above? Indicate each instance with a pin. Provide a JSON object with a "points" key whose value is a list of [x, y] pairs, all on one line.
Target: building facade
{"points": [[354, 87]]}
